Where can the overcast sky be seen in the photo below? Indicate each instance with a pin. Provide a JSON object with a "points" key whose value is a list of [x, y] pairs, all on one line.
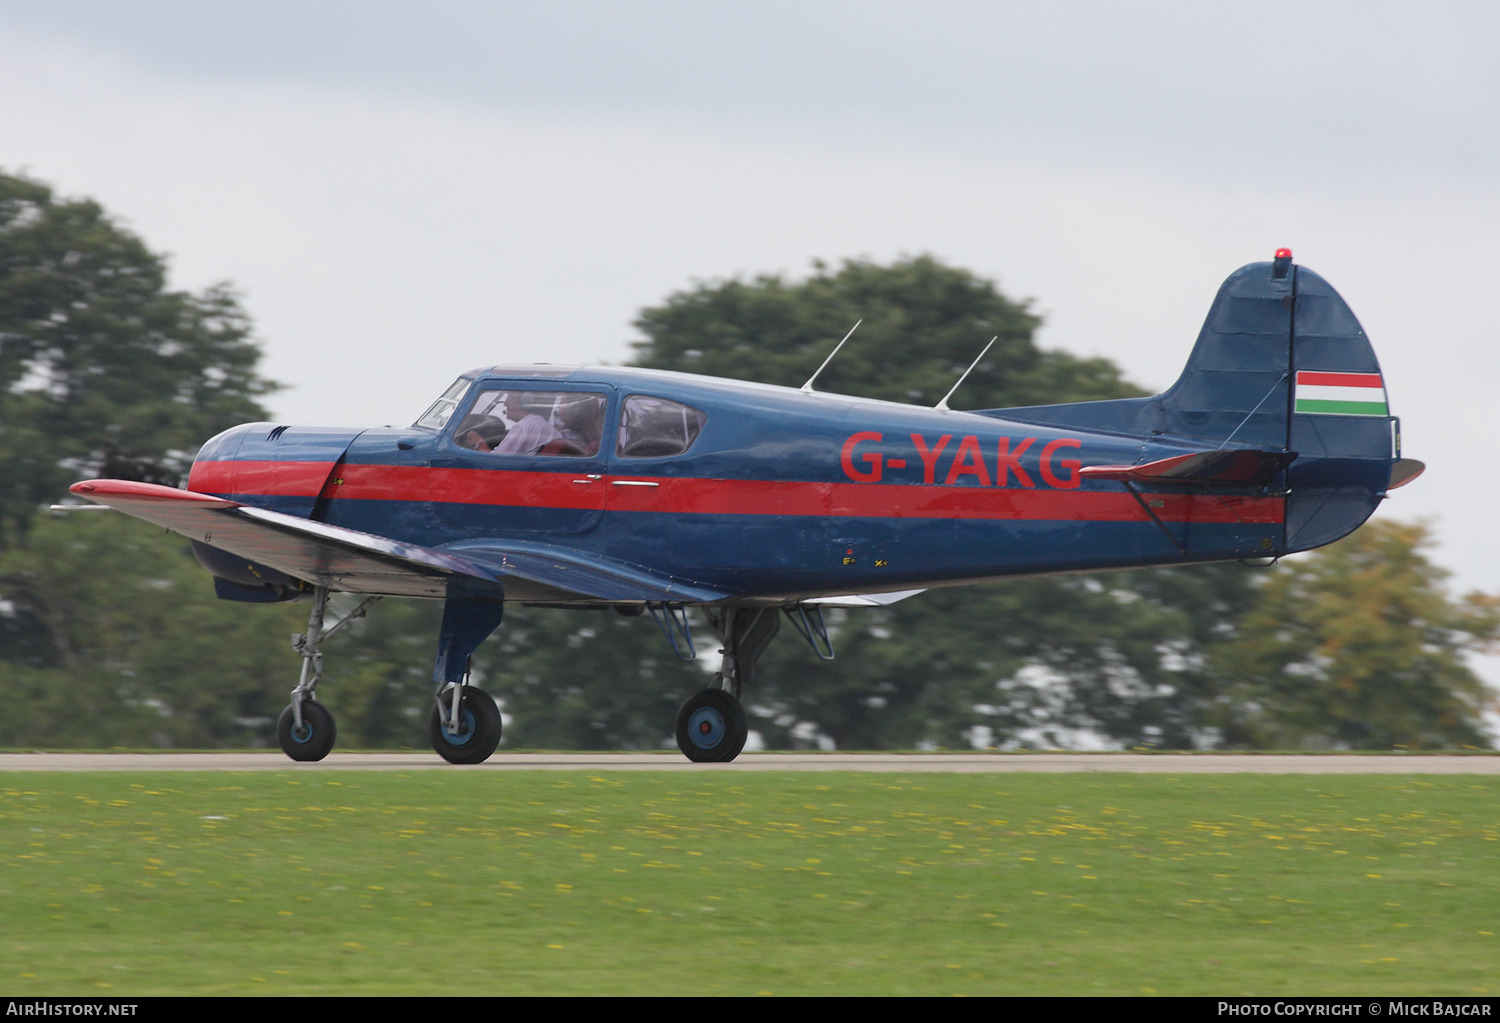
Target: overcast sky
{"points": [[406, 190]]}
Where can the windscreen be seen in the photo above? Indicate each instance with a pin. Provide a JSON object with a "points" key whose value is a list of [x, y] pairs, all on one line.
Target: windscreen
{"points": [[436, 417]]}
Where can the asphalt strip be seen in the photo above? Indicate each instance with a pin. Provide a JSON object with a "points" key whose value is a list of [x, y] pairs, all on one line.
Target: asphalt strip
{"points": [[955, 763]]}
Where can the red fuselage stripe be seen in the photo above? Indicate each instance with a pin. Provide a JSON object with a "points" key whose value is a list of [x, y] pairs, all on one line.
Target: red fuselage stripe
{"points": [[284, 479], [511, 488]]}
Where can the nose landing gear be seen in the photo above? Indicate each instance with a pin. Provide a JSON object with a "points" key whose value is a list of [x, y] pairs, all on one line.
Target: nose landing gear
{"points": [[311, 738], [306, 728]]}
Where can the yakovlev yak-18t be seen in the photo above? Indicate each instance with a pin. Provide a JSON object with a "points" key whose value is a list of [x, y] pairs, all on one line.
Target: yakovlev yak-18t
{"points": [[648, 491]]}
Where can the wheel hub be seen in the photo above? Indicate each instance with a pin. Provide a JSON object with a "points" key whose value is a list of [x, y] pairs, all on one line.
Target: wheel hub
{"points": [[461, 730], [707, 728]]}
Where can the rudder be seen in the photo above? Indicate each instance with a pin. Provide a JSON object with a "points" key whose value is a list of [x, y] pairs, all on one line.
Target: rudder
{"points": [[1339, 424]]}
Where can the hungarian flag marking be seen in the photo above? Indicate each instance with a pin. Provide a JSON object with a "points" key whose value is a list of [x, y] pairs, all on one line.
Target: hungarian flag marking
{"points": [[1340, 394]]}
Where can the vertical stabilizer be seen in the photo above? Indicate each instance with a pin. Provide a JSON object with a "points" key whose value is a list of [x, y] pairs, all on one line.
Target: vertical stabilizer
{"points": [[1235, 385], [1281, 364]]}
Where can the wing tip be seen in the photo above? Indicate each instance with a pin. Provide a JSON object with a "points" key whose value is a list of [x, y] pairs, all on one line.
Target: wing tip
{"points": [[133, 490]]}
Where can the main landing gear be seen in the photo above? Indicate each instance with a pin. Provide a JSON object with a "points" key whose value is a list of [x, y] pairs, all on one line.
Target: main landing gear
{"points": [[464, 724], [711, 724]]}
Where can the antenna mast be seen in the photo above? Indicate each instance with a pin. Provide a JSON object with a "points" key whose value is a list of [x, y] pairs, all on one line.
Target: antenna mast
{"points": [[807, 388], [943, 405]]}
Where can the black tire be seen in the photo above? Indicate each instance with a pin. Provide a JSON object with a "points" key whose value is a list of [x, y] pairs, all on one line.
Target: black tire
{"points": [[711, 727], [316, 738], [479, 722]]}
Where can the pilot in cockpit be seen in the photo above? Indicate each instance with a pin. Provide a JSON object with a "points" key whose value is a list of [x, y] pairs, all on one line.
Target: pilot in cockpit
{"points": [[529, 432], [480, 432], [534, 423]]}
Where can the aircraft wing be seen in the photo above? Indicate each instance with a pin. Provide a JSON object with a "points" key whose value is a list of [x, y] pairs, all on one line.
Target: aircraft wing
{"points": [[356, 562]]}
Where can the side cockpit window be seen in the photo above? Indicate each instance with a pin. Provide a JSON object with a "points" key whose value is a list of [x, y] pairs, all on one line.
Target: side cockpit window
{"points": [[655, 427], [441, 411], [512, 422]]}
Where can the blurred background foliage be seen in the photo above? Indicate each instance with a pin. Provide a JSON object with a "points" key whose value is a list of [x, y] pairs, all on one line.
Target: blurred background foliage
{"points": [[110, 634], [103, 371]]}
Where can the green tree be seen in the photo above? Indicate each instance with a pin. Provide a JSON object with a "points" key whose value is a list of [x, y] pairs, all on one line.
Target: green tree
{"points": [[129, 646], [1357, 646], [1120, 656], [103, 369], [111, 636], [109, 631], [923, 323]]}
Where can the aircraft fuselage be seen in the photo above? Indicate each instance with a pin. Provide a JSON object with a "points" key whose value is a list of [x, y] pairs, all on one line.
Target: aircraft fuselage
{"points": [[783, 494]]}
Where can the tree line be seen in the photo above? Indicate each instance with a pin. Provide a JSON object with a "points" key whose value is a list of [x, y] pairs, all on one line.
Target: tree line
{"points": [[110, 634]]}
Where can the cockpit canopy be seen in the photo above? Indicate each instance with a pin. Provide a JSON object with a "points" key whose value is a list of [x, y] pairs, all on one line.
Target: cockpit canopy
{"points": [[509, 421]]}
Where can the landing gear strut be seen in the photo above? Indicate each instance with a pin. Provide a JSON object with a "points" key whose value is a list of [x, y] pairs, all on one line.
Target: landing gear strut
{"points": [[306, 729], [465, 723], [711, 724]]}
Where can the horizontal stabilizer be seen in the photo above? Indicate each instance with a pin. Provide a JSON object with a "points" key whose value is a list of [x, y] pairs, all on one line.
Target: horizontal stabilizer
{"points": [[1226, 468], [1404, 471], [355, 562]]}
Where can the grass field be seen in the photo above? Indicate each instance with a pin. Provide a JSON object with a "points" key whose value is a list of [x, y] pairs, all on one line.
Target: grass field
{"points": [[518, 882]]}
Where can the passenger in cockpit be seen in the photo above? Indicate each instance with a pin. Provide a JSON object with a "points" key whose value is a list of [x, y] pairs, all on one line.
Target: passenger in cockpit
{"points": [[580, 419]]}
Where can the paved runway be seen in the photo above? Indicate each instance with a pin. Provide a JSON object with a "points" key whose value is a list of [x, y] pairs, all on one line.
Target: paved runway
{"points": [[963, 763]]}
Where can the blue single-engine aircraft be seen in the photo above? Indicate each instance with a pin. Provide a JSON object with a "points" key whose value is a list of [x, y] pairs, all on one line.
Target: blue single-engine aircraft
{"points": [[647, 491]]}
